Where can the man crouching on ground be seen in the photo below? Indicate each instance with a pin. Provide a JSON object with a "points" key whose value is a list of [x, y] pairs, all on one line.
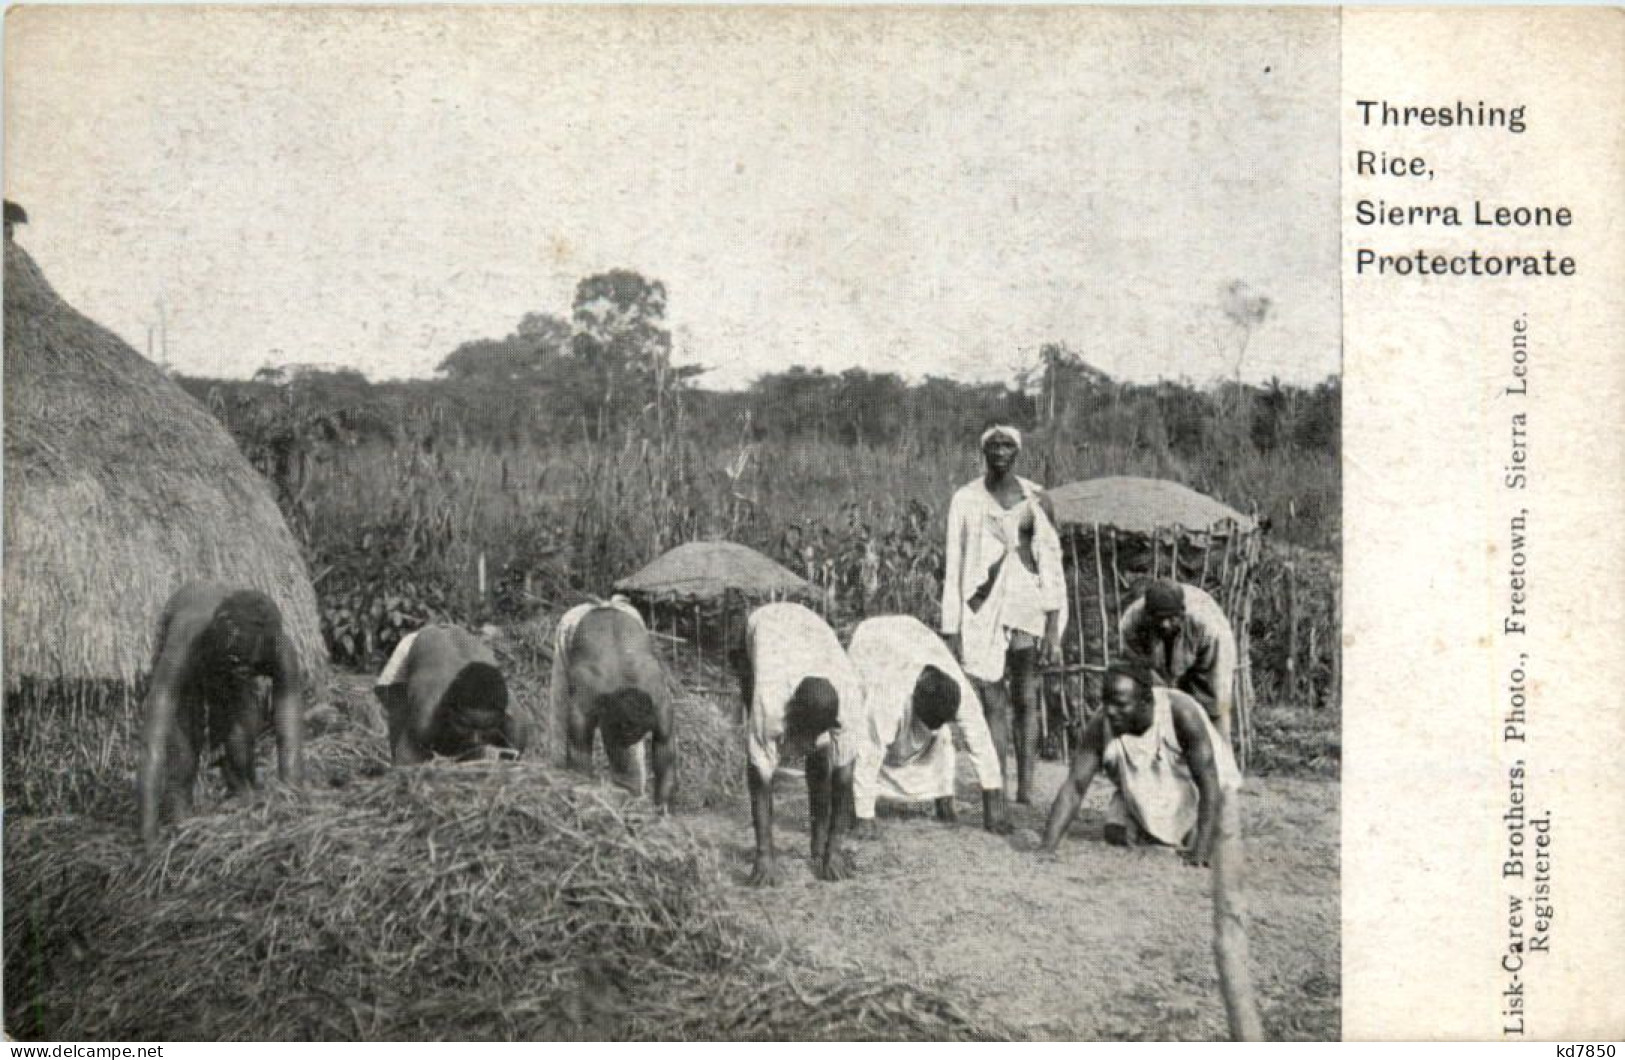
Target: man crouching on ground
{"points": [[914, 696], [444, 695], [607, 679], [804, 698], [1168, 762], [213, 643]]}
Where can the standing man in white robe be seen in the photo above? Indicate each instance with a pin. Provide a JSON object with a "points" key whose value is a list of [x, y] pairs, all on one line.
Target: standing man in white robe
{"points": [[915, 697], [1004, 597]]}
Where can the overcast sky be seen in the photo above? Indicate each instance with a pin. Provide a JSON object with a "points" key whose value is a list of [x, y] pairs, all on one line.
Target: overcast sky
{"points": [[927, 191]]}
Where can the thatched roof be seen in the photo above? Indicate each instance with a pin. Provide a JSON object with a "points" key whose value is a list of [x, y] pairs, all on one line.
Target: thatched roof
{"points": [[704, 569], [1141, 505], [118, 488]]}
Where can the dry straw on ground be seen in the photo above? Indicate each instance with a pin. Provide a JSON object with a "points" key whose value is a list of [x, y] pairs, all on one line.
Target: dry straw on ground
{"points": [[474, 901]]}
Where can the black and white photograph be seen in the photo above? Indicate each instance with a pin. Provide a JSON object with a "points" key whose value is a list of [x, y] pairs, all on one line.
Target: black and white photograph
{"points": [[672, 524]]}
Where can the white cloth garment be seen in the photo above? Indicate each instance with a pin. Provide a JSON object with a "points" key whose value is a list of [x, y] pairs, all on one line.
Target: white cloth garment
{"points": [[394, 670], [901, 758], [1155, 787], [560, 686], [981, 533], [789, 643]]}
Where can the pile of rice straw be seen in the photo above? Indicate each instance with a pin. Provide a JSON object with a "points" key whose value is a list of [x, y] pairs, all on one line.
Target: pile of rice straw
{"points": [[478, 901]]}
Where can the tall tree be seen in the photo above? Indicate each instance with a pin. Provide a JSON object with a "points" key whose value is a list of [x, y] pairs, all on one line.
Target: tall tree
{"points": [[620, 329]]}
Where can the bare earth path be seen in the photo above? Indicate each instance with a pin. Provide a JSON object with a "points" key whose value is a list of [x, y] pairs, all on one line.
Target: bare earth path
{"points": [[1095, 943]]}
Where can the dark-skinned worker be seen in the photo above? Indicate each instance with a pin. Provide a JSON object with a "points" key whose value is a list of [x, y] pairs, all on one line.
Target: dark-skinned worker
{"points": [[805, 700], [1004, 597], [444, 695], [1183, 633], [607, 679], [1169, 765], [213, 644], [915, 696]]}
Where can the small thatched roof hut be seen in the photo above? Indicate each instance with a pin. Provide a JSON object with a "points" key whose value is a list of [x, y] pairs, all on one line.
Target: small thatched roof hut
{"points": [[704, 570], [703, 590], [119, 487]]}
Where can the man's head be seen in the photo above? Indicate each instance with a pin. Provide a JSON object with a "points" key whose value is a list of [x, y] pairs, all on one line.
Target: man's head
{"points": [[936, 698], [1165, 607], [1000, 444], [473, 712], [813, 710], [626, 716], [1126, 691]]}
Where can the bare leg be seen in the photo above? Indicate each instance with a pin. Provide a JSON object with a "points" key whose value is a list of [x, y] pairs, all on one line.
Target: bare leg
{"points": [[1021, 667], [625, 765], [239, 761], [578, 740], [180, 772], [996, 708]]}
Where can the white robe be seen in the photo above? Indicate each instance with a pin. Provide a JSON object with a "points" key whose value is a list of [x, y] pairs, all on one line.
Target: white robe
{"points": [[789, 643], [977, 540], [902, 759], [1154, 784]]}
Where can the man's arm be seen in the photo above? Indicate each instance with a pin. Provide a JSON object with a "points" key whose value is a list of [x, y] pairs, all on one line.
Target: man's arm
{"points": [[1052, 616], [665, 763], [1190, 728], [765, 873], [835, 864], [1070, 798], [953, 557], [1199, 679], [169, 675], [288, 713]]}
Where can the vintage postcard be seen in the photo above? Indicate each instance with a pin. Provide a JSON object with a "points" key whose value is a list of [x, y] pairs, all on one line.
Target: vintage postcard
{"points": [[813, 523]]}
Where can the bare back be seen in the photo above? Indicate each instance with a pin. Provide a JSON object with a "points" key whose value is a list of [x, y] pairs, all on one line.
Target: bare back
{"points": [[437, 656], [610, 651]]}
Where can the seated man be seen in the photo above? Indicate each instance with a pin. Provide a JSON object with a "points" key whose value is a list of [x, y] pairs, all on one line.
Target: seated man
{"points": [[444, 695], [607, 679], [1183, 633], [804, 699], [1167, 761], [914, 696], [213, 643]]}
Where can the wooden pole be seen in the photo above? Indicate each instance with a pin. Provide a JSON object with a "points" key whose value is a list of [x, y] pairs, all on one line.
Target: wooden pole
{"points": [[1077, 591], [1100, 588], [1291, 635], [1230, 949], [1117, 584]]}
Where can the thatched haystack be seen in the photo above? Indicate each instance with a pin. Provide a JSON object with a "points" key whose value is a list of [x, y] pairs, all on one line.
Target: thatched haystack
{"points": [[704, 590], [1118, 534], [118, 487], [440, 902]]}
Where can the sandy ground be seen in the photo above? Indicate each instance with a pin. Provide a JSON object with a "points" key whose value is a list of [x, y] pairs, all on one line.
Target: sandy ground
{"points": [[1095, 943]]}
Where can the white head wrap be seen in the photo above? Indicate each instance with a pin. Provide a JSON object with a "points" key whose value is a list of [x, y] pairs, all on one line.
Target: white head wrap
{"points": [[999, 428]]}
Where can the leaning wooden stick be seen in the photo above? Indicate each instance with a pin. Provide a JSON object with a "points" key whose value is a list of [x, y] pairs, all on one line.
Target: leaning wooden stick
{"points": [[1230, 949]]}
